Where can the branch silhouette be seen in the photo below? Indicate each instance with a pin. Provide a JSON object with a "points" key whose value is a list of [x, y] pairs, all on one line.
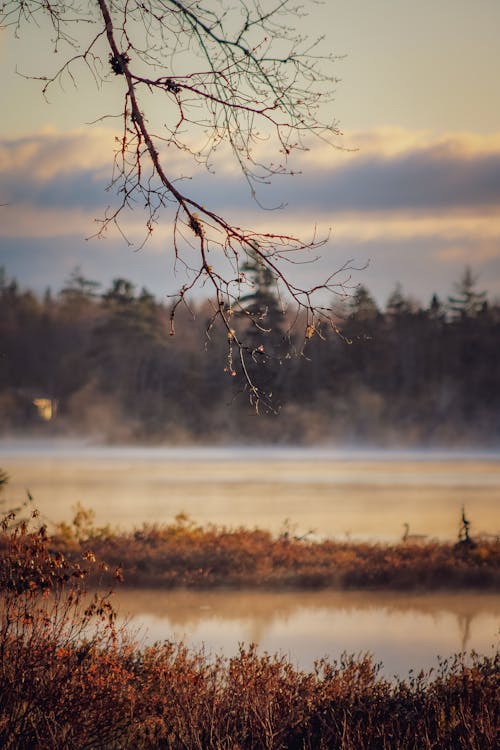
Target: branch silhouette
{"points": [[236, 76]]}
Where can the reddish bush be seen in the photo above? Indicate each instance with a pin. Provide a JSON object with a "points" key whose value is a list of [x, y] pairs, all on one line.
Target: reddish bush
{"points": [[184, 554], [70, 679]]}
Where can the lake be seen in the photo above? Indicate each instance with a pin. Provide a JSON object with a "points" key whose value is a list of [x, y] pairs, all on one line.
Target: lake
{"points": [[402, 631], [357, 494], [343, 494]]}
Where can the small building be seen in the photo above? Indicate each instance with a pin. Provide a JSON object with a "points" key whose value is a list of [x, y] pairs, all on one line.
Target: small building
{"points": [[46, 407]]}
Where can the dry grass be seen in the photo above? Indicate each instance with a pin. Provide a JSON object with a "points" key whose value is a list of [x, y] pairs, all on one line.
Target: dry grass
{"points": [[70, 679], [188, 555]]}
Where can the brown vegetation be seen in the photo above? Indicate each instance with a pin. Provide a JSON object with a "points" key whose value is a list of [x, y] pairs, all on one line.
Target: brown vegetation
{"points": [[185, 554], [70, 679]]}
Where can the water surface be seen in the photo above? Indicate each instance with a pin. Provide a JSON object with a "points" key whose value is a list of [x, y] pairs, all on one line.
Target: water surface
{"points": [[331, 492], [403, 631], [365, 494]]}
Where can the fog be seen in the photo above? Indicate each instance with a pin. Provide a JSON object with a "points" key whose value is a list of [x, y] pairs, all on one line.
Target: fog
{"points": [[364, 494], [350, 493], [75, 447]]}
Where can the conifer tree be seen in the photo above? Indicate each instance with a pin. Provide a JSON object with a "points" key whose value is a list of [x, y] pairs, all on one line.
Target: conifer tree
{"points": [[467, 302]]}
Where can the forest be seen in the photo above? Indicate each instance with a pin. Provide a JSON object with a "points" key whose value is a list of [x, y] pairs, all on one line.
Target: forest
{"points": [[108, 364]]}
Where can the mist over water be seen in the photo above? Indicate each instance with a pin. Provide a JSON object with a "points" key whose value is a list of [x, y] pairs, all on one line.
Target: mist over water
{"points": [[355, 493], [73, 447], [365, 494]]}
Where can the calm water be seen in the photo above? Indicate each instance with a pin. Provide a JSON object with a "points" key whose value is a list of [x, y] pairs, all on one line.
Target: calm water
{"points": [[357, 494], [400, 630]]}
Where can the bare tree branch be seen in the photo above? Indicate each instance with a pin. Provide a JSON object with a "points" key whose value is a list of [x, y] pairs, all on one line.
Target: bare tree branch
{"points": [[228, 74]]}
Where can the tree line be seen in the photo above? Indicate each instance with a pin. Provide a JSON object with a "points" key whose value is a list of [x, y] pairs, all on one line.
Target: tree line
{"points": [[112, 366]]}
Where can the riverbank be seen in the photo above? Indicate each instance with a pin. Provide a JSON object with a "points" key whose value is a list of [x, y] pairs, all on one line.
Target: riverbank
{"points": [[71, 677], [185, 554], [358, 496]]}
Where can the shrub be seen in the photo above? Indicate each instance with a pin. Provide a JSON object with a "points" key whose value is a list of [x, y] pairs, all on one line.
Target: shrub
{"points": [[70, 679]]}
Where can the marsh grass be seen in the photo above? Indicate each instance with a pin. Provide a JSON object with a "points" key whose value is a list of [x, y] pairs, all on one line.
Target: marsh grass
{"points": [[70, 678], [185, 554]]}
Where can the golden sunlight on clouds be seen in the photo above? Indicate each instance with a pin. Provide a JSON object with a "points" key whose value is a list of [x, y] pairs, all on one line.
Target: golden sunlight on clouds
{"points": [[389, 142], [23, 220], [371, 226], [59, 182], [452, 225], [483, 251], [49, 153]]}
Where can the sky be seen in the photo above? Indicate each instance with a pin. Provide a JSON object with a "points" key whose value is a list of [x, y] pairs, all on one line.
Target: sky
{"points": [[412, 197]]}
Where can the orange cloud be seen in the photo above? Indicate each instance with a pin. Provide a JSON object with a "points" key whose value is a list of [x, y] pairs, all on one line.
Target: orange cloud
{"points": [[45, 155], [388, 142], [331, 200]]}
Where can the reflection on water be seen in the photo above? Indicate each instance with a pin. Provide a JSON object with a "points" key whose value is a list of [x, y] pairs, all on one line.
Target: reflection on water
{"points": [[403, 631], [365, 494]]}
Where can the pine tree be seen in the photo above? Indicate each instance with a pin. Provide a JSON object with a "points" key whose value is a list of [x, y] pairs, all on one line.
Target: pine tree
{"points": [[397, 305], [467, 302], [265, 338], [363, 306], [435, 311]]}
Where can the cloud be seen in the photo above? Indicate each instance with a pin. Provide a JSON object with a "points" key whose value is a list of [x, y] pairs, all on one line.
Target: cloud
{"points": [[482, 225], [49, 154], [25, 220], [408, 200], [390, 142], [384, 169], [54, 183], [390, 171], [433, 179]]}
